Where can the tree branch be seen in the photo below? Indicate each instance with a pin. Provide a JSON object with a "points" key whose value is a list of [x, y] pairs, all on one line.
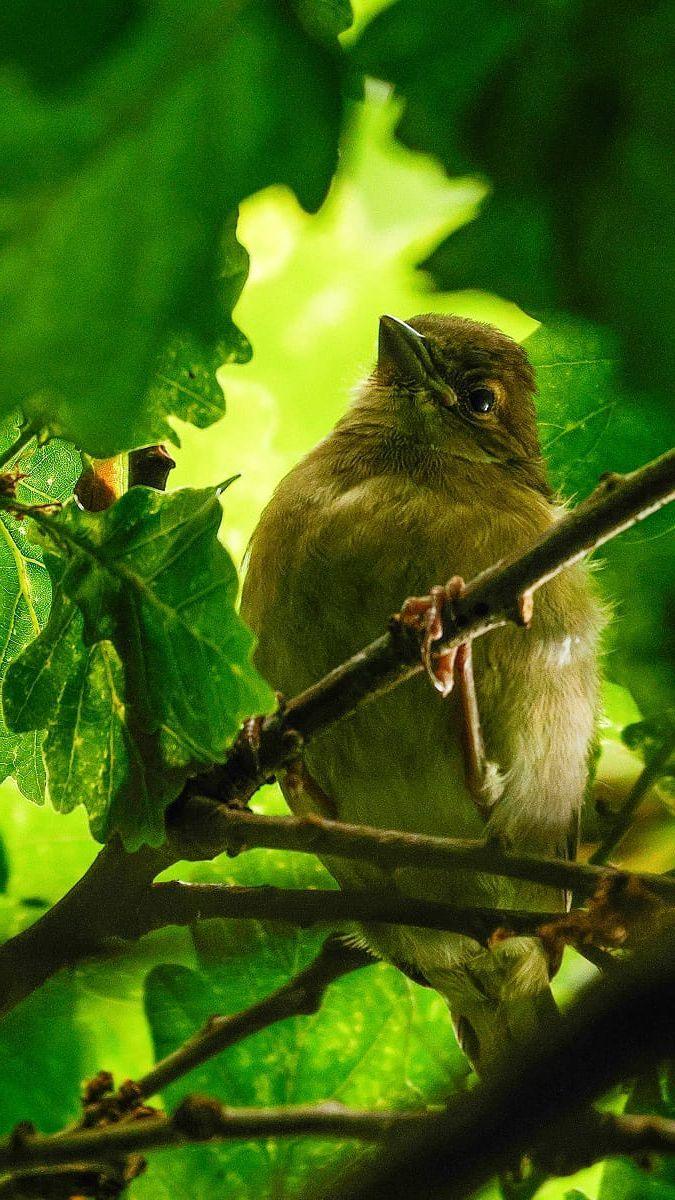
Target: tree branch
{"points": [[488, 601], [84, 919], [178, 903], [203, 1119], [616, 1028], [391, 848], [622, 820], [301, 996]]}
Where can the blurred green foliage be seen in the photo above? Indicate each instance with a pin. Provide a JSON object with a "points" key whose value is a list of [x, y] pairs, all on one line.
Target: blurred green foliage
{"points": [[129, 134], [116, 195], [564, 107]]}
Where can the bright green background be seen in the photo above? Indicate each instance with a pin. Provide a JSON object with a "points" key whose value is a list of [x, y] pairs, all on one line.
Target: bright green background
{"points": [[310, 308]]}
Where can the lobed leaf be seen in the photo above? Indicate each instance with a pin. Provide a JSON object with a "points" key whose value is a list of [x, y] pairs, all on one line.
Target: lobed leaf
{"points": [[378, 1040], [118, 201], [25, 590], [142, 673]]}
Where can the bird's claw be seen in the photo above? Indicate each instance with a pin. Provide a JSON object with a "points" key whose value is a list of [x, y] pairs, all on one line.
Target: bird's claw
{"points": [[424, 614]]}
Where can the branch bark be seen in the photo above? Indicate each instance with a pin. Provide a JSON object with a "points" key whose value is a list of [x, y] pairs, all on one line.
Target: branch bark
{"points": [[391, 848], [617, 1028], [178, 903], [203, 1119], [84, 919]]}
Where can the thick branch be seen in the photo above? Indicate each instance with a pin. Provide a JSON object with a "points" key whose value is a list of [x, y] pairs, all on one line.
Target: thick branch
{"points": [[102, 907], [202, 1119], [601, 1039], [85, 918]]}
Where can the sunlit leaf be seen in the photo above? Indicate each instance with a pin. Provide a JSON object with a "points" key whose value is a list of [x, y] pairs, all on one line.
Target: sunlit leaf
{"points": [[142, 673], [25, 589], [378, 1040]]}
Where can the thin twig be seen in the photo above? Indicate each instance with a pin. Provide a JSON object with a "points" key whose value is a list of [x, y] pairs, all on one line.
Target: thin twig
{"points": [[391, 848], [177, 903], [622, 820], [203, 1119], [301, 996], [85, 918]]}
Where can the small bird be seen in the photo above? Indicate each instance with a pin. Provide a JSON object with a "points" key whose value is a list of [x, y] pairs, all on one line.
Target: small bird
{"points": [[435, 469]]}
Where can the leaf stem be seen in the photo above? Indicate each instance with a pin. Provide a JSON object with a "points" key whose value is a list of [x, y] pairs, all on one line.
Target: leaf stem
{"points": [[27, 433], [622, 819]]}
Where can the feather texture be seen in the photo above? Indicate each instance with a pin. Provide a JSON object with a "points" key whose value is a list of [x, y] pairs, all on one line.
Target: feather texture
{"points": [[392, 502]]}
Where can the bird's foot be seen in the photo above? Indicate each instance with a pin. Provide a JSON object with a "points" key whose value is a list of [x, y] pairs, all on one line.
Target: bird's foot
{"points": [[424, 614]]}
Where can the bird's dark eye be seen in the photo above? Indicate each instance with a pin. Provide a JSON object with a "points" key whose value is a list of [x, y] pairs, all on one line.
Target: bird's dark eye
{"points": [[481, 400]]}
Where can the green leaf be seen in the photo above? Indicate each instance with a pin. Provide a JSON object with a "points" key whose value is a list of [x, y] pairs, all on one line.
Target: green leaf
{"points": [[622, 1179], [73, 37], [142, 673], [41, 1059], [589, 425], [412, 44], [117, 218], [186, 385], [325, 19], [25, 595], [507, 249], [561, 107], [378, 1040]]}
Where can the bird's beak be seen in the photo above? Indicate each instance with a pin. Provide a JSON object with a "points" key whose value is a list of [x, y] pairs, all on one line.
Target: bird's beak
{"points": [[404, 352]]}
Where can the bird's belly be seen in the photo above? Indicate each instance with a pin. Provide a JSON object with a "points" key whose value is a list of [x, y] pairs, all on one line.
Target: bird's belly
{"points": [[398, 764]]}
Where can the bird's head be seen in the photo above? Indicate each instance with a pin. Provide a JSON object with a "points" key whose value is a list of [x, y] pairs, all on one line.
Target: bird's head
{"points": [[459, 385]]}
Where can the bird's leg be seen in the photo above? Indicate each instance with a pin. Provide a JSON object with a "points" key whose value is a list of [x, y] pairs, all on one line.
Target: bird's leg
{"points": [[426, 613], [303, 786], [475, 760]]}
